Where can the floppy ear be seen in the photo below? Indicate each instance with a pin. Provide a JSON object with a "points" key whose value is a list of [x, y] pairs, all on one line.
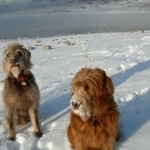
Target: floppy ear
{"points": [[29, 54], [108, 86], [27, 61], [4, 62], [3, 66]]}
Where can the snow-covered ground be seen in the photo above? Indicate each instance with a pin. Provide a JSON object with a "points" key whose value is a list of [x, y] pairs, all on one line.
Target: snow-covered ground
{"points": [[125, 56], [126, 59]]}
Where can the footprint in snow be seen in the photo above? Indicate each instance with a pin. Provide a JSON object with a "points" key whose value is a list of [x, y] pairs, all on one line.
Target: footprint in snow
{"points": [[20, 139], [126, 98], [53, 125], [49, 145], [133, 64], [121, 67], [129, 97], [144, 90]]}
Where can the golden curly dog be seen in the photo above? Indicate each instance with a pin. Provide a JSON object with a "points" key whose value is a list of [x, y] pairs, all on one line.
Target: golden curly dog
{"points": [[20, 94], [94, 116]]}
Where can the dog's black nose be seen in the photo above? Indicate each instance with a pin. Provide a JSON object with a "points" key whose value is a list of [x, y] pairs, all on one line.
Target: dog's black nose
{"points": [[75, 104], [13, 61]]}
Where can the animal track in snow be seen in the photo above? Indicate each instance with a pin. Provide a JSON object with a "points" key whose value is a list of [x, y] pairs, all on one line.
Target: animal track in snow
{"points": [[146, 38], [140, 53], [129, 97], [133, 64], [121, 67], [20, 139], [49, 145], [144, 90], [136, 92], [76, 54], [53, 125], [131, 49], [126, 98]]}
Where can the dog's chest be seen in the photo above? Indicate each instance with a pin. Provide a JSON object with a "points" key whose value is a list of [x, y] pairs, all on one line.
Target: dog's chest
{"points": [[18, 95]]}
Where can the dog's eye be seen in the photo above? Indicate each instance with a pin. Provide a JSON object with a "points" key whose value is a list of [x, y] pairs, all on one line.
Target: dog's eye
{"points": [[8, 55], [86, 87], [19, 54]]}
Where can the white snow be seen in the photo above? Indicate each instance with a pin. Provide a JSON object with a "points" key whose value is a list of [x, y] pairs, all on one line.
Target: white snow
{"points": [[125, 56]]}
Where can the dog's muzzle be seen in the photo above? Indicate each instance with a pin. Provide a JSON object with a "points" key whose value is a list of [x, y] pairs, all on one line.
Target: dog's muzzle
{"points": [[79, 107], [14, 62], [74, 102]]}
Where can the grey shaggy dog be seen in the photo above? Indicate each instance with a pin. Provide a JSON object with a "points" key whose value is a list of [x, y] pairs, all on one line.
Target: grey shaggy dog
{"points": [[20, 94]]}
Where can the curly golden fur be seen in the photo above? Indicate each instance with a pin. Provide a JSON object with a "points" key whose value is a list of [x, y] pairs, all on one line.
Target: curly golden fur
{"points": [[94, 116], [21, 94]]}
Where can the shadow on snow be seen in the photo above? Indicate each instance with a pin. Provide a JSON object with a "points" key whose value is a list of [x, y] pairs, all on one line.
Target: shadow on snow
{"points": [[134, 113]]}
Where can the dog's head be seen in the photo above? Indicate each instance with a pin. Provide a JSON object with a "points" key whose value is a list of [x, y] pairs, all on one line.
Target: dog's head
{"points": [[16, 59], [89, 87]]}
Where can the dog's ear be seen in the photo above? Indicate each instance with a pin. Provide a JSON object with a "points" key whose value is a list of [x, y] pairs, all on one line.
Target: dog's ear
{"points": [[27, 59], [4, 68], [108, 86], [29, 54]]}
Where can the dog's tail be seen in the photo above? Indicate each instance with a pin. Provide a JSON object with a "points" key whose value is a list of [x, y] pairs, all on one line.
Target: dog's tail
{"points": [[22, 120]]}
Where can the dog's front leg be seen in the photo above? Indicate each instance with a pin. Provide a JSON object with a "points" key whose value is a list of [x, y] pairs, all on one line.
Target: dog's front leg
{"points": [[35, 122], [9, 123], [79, 145]]}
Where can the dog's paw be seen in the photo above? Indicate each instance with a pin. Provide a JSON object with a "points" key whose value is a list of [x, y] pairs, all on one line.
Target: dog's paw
{"points": [[39, 134], [12, 138]]}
